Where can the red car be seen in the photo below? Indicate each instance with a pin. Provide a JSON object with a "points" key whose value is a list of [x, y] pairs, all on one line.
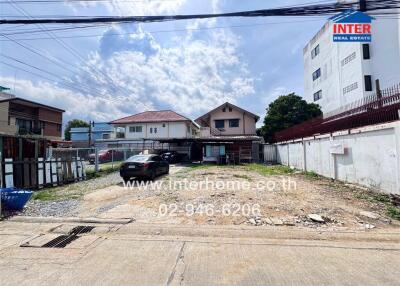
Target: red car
{"points": [[106, 156]]}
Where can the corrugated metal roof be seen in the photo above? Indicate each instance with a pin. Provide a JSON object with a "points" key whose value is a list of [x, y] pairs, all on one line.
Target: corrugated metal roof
{"points": [[152, 116]]}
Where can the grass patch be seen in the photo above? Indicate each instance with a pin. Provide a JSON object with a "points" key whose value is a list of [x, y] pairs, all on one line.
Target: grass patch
{"points": [[104, 169], [311, 175], [46, 195], [201, 166], [57, 193], [269, 170], [393, 212], [373, 198]]}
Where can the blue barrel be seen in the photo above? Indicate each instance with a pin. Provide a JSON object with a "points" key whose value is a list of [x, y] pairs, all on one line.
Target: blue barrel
{"points": [[15, 199]]}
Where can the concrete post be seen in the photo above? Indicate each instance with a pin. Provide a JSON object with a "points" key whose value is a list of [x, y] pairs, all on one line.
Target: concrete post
{"points": [[1, 173], [397, 136], [304, 156], [333, 161], [96, 159]]}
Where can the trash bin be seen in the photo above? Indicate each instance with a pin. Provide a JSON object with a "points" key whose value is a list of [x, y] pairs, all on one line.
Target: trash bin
{"points": [[14, 199]]}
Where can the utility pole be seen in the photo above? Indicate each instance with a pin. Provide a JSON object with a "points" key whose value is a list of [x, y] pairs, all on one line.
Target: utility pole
{"points": [[90, 133], [363, 5]]}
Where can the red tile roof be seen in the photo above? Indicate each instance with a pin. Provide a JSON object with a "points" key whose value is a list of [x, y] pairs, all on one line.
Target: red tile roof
{"points": [[152, 116]]}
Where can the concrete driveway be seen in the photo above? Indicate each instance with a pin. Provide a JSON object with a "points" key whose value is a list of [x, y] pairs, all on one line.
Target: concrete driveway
{"points": [[136, 254]]}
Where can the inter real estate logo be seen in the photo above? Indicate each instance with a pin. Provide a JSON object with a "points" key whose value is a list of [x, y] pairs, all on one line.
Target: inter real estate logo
{"points": [[352, 26]]}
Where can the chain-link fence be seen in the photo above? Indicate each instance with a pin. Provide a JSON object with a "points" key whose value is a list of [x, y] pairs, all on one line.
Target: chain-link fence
{"points": [[99, 159]]}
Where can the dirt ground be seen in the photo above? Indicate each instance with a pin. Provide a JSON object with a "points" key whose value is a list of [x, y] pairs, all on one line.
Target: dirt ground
{"points": [[242, 195]]}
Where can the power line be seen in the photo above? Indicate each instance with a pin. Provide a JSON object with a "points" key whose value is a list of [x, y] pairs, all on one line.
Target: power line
{"points": [[78, 1], [76, 54], [309, 10], [42, 76]]}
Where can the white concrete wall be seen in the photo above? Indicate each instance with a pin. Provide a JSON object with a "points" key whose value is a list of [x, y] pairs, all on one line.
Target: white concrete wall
{"points": [[371, 156], [384, 50]]}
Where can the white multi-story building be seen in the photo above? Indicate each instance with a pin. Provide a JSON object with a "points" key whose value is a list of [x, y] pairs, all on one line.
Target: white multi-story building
{"points": [[336, 74]]}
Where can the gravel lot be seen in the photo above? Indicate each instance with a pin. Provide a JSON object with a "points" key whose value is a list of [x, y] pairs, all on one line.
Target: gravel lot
{"points": [[296, 200]]}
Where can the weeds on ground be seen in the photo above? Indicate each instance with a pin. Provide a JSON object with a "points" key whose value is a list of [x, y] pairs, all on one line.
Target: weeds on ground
{"points": [[269, 170], [245, 177], [311, 175], [391, 210], [53, 194]]}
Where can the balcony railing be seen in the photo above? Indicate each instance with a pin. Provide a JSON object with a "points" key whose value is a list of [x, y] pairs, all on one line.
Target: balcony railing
{"points": [[31, 131]]}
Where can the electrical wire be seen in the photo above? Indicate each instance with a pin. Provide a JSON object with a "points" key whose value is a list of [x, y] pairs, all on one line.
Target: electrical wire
{"points": [[105, 77], [307, 10]]}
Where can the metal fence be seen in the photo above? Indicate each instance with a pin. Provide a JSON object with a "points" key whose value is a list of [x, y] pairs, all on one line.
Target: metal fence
{"points": [[379, 108], [109, 158], [269, 154]]}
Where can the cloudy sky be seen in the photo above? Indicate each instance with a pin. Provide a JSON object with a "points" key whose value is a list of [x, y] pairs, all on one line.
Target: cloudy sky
{"points": [[105, 72]]}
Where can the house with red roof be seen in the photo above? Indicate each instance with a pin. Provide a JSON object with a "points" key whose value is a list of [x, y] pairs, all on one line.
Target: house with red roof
{"points": [[155, 125]]}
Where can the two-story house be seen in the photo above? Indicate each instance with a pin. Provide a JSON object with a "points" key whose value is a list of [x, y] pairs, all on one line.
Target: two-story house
{"points": [[227, 134], [154, 125], [228, 120], [19, 116]]}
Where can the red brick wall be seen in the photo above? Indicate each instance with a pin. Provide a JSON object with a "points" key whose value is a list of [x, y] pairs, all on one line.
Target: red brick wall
{"points": [[50, 115], [52, 120], [51, 129]]}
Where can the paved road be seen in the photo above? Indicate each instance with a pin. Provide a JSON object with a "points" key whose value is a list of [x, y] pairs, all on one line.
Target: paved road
{"points": [[134, 254]]}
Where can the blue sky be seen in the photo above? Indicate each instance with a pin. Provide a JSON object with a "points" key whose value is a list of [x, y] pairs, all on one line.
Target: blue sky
{"points": [[187, 66]]}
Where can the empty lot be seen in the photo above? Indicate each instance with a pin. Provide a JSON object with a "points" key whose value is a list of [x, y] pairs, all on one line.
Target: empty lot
{"points": [[252, 195]]}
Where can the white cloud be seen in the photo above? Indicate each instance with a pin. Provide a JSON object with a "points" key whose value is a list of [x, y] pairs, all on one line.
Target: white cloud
{"points": [[76, 104], [144, 7], [189, 73], [191, 76]]}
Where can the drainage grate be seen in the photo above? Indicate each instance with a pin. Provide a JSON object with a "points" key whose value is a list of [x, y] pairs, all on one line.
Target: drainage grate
{"points": [[60, 241], [81, 229]]}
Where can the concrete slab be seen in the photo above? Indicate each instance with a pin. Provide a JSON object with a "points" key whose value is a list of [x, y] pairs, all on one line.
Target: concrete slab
{"points": [[192, 255], [221, 264], [124, 262]]}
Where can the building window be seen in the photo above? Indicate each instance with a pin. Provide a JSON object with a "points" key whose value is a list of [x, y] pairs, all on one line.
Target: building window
{"points": [[151, 129], [318, 95], [219, 124], [315, 52], [366, 52], [223, 109], [316, 75], [106, 136], [350, 88], [155, 129], [135, 129], [163, 125], [368, 82], [230, 109], [233, 123], [348, 59]]}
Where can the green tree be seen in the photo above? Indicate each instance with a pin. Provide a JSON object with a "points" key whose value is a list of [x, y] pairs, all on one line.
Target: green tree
{"points": [[73, 124], [287, 111]]}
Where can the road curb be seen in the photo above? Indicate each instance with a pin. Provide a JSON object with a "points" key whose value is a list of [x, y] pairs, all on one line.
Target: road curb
{"points": [[69, 220]]}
